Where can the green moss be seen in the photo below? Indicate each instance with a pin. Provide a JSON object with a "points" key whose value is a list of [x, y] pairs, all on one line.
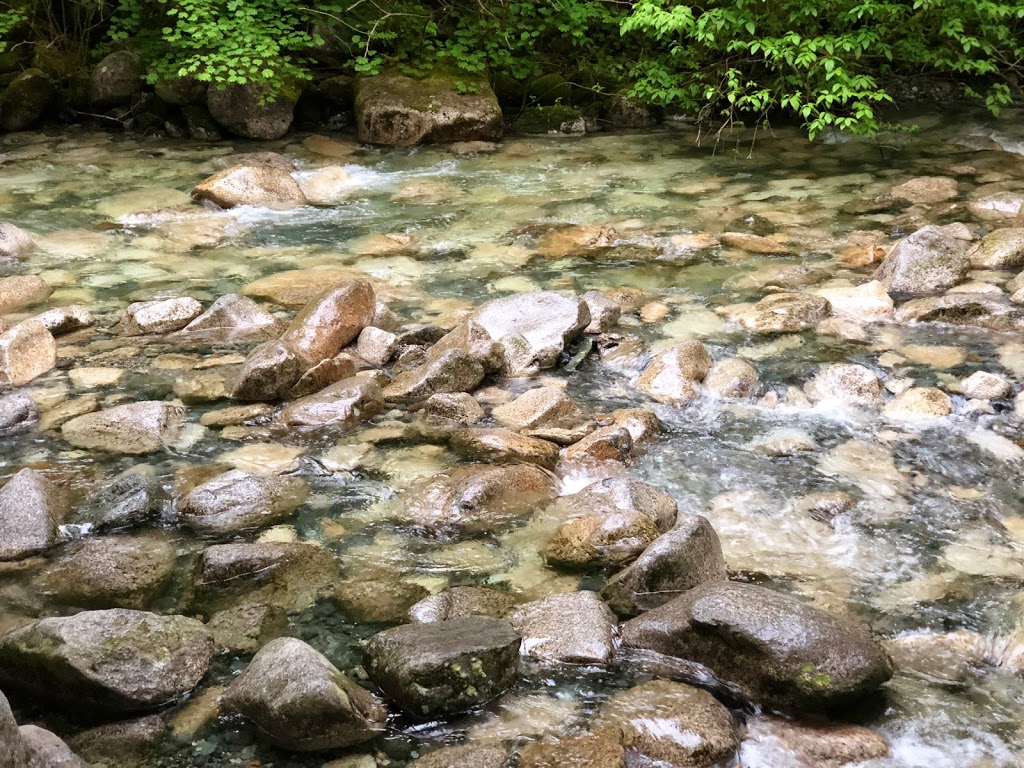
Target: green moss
{"points": [[544, 119]]}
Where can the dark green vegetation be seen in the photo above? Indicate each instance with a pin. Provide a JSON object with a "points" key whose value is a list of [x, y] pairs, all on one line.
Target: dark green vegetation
{"points": [[822, 61]]}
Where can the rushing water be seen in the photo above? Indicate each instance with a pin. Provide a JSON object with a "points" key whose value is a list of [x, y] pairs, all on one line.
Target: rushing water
{"points": [[936, 541]]}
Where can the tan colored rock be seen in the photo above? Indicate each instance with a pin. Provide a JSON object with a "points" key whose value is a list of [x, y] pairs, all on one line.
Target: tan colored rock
{"points": [[576, 240], [541, 407], [346, 402], [164, 316], [846, 383], [782, 313], [751, 243], [919, 403], [135, 428], [731, 377], [867, 303], [772, 742], [927, 189], [672, 376], [330, 321], [27, 351], [259, 185], [20, 291], [605, 444], [503, 446]]}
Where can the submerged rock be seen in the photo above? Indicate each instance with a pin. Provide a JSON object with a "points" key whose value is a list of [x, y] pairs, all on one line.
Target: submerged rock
{"points": [[575, 628], [464, 756], [688, 555], [928, 261], [476, 498], [30, 510], [772, 647], [247, 628], [600, 748], [130, 500], [400, 111], [459, 602], [20, 291], [927, 189], [135, 428], [27, 351], [668, 723], [300, 701], [240, 501], [378, 601], [971, 309], [446, 667], [261, 185], [117, 661]]}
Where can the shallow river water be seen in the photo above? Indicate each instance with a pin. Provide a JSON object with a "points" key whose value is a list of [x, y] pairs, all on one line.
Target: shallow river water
{"points": [[934, 542]]}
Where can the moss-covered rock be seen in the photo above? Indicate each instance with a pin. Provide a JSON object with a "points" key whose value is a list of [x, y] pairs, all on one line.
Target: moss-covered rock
{"points": [[25, 100], [545, 119], [549, 90], [247, 111]]}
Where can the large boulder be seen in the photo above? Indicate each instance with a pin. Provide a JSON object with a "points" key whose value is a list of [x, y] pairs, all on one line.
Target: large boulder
{"points": [[116, 661], [348, 401], [673, 375], [688, 555], [574, 628], [116, 79], [162, 316], [533, 328], [928, 261], [331, 321], [30, 510], [239, 501], [300, 701], [445, 667], [668, 723], [476, 498], [232, 319], [110, 572], [27, 351], [771, 647], [26, 100], [246, 111], [615, 495], [397, 110], [21, 291], [135, 428], [261, 185], [283, 574]]}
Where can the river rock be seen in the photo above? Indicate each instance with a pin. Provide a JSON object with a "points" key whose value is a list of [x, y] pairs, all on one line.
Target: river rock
{"points": [[983, 385], [18, 413], [269, 372], [376, 346], [135, 428], [772, 741], [459, 602], [131, 500], [163, 316], [999, 207], [15, 243], [62, 320], [476, 498], [971, 309], [27, 351], [21, 291], [128, 743], [246, 111], [620, 494], [378, 601], [349, 401], [396, 110], [672, 376], [751, 243], [445, 667], [116, 661], [574, 628], [302, 702], [326, 186], [1000, 249], [453, 371], [469, 337], [782, 313], [30, 510], [845, 383], [503, 446], [12, 748], [464, 756], [240, 501], [927, 189], [324, 374], [232, 319], [44, 749], [247, 628], [668, 723], [867, 303], [110, 572], [116, 79], [453, 409], [284, 574], [536, 408], [688, 555], [260, 185], [919, 403], [609, 443], [26, 100], [603, 540], [731, 377], [546, 321], [604, 312], [330, 321], [772, 647], [928, 261], [567, 240]]}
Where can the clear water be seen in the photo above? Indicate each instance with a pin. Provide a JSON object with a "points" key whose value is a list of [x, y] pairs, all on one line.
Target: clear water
{"points": [[936, 541]]}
